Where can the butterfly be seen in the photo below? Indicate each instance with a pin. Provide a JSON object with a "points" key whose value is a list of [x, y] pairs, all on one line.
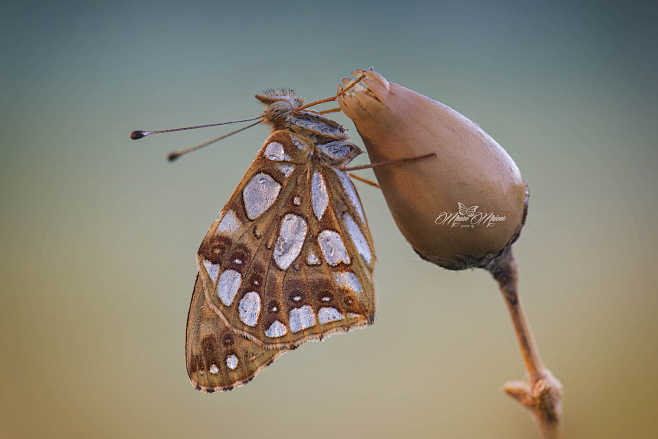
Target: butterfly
{"points": [[464, 211], [290, 257]]}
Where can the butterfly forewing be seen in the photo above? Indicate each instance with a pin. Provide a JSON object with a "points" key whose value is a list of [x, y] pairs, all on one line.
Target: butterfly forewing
{"points": [[285, 261]]}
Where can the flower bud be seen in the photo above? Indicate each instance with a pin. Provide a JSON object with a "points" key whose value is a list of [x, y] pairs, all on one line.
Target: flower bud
{"points": [[459, 209]]}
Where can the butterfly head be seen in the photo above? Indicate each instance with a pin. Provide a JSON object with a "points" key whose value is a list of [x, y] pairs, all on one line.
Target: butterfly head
{"points": [[279, 104]]}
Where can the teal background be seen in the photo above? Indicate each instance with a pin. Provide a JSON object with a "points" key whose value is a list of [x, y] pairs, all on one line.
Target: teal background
{"points": [[99, 232]]}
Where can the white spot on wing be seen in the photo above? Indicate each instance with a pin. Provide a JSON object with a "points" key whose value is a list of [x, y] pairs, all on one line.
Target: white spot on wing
{"points": [[298, 143], [229, 223], [348, 187], [357, 238], [274, 151], [232, 361], [285, 169], [228, 285], [249, 308], [290, 241], [312, 259], [332, 247], [301, 318], [213, 369], [276, 329], [319, 195], [296, 201], [212, 269], [328, 314], [347, 279], [259, 194]]}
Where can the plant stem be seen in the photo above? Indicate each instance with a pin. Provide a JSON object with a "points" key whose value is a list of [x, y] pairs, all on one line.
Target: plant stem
{"points": [[543, 395]]}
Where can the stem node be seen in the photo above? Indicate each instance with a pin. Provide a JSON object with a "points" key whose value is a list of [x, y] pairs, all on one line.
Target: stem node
{"points": [[543, 393]]}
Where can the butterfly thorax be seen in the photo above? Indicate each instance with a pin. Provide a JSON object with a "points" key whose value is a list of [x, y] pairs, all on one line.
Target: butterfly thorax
{"points": [[282, 112], [335, 153]]}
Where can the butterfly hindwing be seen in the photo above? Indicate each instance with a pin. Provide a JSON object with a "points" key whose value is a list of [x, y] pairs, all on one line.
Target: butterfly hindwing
{"points": [[216, 357]]}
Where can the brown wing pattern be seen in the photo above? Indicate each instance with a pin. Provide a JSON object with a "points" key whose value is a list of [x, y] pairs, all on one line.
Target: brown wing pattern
{"points": [[318, 295], [351, 223], [273, 270], [237, 251], [216, 357]]}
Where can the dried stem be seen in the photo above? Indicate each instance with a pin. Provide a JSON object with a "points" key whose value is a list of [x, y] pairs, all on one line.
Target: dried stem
{"points": [[543, 394]]}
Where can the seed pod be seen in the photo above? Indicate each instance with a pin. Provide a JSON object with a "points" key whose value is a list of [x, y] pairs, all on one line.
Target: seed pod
{"points": [[459, 209]]}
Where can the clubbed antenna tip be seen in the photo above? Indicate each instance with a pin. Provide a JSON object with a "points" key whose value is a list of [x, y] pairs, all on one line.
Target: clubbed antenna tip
{"points": [[138, 134]]}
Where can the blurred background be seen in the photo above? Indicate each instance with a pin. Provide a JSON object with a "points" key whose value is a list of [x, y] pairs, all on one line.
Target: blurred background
{"points": [[99, 232]]}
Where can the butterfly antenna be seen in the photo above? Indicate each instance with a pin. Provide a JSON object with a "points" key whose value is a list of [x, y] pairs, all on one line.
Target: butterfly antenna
{"points": [[174, 155], [138, 134]]}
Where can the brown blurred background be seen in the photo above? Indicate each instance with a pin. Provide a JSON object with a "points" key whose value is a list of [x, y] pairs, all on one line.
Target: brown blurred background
{"points": [[99, 232]]}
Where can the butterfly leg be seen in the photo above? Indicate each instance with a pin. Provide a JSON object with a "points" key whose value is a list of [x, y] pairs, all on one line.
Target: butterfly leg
{"points": [[332, 98], [390, 162], [365, 180], [331, 110]]}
